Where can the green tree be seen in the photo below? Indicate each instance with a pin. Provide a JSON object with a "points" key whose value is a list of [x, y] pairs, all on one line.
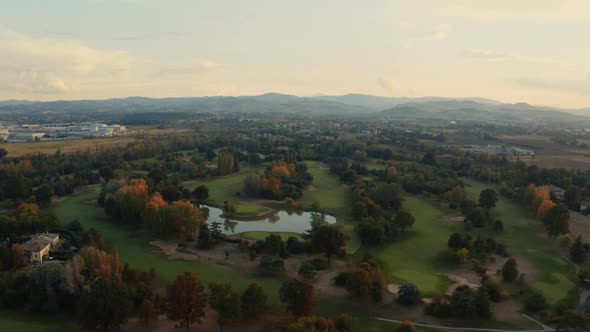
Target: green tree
{"points": [[201, 193], [329, 240], [482, 303], [408, 294], [298, 296], [205, 240], [463, 302], [404, 219], [253, 301], [103, 306], [307, 271], [577, 251], [229, 207], [43, 194], [456, 241], [573, 195], [535, 302], [186, 300], [510, 270], [225, 301], [488, 199], [557, 220]]}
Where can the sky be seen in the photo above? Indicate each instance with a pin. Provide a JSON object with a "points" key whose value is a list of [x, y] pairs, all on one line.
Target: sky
{"points": [[534, 51]]}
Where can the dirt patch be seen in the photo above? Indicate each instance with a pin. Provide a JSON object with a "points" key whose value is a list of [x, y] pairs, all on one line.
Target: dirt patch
{"points": [[452, 219]]}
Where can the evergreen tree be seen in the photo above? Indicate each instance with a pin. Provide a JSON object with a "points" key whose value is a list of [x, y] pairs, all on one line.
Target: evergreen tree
{"points": [[510, 270], [205, 240], [482, 303], [577, 251]]}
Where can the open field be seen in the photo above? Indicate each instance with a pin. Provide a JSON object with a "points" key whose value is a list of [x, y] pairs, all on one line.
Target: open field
{"points": [[526, 240], [229, 187], [335, 199], [414, 258], [27, 322], [262, 235], [49, 147], [550, 154], [135, 250]]}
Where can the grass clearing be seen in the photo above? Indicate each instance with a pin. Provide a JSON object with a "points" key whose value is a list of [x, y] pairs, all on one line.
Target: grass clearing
{"points": [[415, 258], [525, 239], [134, 247], [262, 235], [335, 199], [50, 147], [23, 321]]}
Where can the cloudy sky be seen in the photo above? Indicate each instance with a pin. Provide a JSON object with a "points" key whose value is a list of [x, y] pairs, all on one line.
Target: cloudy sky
{"points": [[535, 51]]}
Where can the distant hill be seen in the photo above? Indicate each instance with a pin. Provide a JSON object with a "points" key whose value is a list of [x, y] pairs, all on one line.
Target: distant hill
{"points": [[281, 105], [470, 111]]}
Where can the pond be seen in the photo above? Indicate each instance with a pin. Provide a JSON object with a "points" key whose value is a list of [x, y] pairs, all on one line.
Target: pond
{"points": [[282, 221]]}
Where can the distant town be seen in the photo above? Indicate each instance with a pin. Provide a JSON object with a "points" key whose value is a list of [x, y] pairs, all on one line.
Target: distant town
{"points": [[63, 131]]}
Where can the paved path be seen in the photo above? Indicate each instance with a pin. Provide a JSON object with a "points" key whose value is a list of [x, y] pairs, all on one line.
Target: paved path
{"points": [[544, 327]]}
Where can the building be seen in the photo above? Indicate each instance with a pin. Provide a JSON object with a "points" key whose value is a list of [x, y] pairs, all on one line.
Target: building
{"points": [[557, 193], [37, 248], [585, 204]]}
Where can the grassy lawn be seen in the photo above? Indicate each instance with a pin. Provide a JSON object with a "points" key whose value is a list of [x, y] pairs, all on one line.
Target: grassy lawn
{"points": [[414, 259], [49, 147], [134, 247], [27, 322], [526, 240], [335, 199], [229, 187], [262, 235]]}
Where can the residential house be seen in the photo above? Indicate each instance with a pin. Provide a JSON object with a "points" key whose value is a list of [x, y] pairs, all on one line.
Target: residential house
{"points": [[557, 193], [37, 248]]}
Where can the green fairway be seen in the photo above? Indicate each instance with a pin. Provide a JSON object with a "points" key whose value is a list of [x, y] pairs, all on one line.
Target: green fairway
{"points": [[21, 321], [526, 240], [414, 258], [262, 235], [229, 187], [134, 247], [335, 199]]}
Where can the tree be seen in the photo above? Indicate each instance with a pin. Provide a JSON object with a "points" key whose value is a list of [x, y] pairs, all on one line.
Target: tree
{"points": [[307, 271], [488, 199], [557, 221], [388, 196], [577, 251], [429, 158], [148, 314], [43, 194], [408, 294], [482, 303], [225, 301], [510, 270], [205, 240], [405, 326], [404, 219], [3, 153], [103, 305], [455, 241], [17, 252], [499, 226], [535, 302], [298, 296], [253, 301], [201, 193], [573, 195], [229, 207], [186, 300], [329, 240], [343, 323], [463, 302]]}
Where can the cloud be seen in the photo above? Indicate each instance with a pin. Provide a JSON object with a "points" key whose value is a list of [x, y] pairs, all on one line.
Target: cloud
{"points": [[30, 65], [384, 84], [545, 10], [579, 87], [439, 32], [498, 56], [488, 55]]}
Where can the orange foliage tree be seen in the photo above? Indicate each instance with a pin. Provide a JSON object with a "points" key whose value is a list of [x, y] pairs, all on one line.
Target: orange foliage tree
{"points": [[545, 206]]}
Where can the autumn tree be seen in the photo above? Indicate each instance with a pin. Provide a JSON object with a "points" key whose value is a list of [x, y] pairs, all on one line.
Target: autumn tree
{"points": [[225, 301], [17, 252], [253, 301], [544, 208], [298, 296], [186, 300], [405, 326]]}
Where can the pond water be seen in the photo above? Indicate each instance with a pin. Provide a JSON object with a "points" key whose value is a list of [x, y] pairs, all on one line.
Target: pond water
{"points": [[282, 221]]}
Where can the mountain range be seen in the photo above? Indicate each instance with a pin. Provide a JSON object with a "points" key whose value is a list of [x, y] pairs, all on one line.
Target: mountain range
{"points": [[350, 105]]}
